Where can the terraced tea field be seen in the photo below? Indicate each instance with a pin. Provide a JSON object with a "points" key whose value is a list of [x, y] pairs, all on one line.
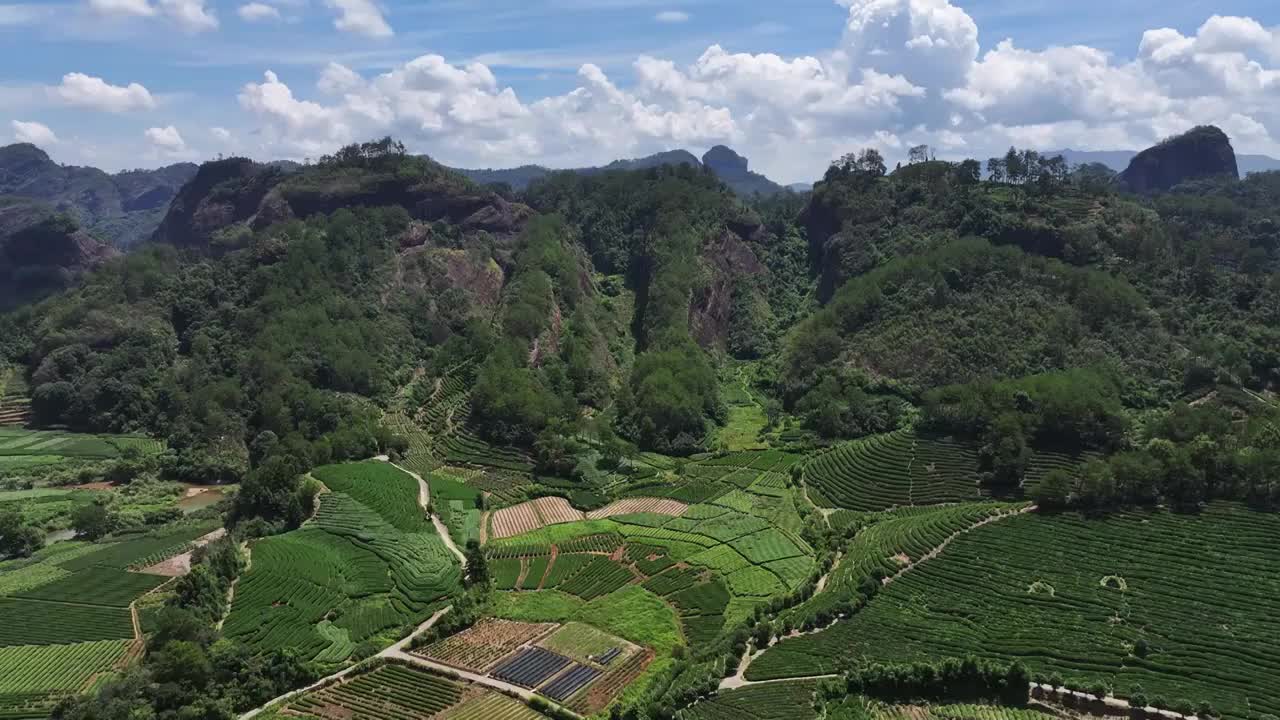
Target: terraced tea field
{"points": [[390, 692], [492, 706], [354, 559], [775, 701], [903, 469], [893, 540], [1185, 606]]}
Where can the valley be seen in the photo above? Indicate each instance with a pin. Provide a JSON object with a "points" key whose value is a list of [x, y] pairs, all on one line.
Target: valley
{"points": [[371, 438]]}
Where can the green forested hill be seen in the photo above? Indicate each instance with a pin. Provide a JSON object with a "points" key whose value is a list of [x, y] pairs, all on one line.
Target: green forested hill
{"points": [[646, 406]]}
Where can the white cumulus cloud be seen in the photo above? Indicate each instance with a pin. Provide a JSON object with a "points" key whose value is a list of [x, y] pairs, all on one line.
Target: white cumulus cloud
{"points": [[123, 8], [903, 72], [258, 12], [34, 133], [166, 139], [362, 17], [190, 15], [672, 16], [94, 93]]}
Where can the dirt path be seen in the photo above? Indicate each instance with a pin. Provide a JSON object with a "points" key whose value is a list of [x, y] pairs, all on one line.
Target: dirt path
{"points": [[738, 679], [393, 651], [424, 499], [936, 551], [231, 591], [822, 581]]}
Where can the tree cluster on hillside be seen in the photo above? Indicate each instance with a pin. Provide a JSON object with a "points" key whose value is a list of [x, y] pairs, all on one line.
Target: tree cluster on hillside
{"points": [[189, 671]]}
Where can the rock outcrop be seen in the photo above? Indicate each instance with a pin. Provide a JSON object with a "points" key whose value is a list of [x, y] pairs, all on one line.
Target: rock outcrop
{"points": [[228, 199], [733, 170], [1204, 152], [42, 251]]}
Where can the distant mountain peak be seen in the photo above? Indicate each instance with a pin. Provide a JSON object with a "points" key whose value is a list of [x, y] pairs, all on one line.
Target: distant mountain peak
{"points": [[722, 158]]}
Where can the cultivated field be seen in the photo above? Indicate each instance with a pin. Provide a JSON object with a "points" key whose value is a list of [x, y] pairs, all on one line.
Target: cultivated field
{"points": [[1185, 606], [905, 468], [659, 506], [775, 701], [352, 561], [391, 692], [480, 647], [492, 706]]}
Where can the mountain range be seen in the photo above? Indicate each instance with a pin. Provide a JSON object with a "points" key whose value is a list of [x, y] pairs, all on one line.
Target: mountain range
{"points": [[730, 167], [1118, 160]]}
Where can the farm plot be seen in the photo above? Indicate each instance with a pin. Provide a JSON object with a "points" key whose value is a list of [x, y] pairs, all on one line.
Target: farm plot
{"points": [[467, 449], [889, 541], [898, 469], [531, 667], [38, 622], [585, 644], [96, 586], [774, 701], [619, 675], [658, 506], [506, 572], [390, 692], [481, 646], [144, 550], [600, 576], [880, 711], [767, 546], [556, 510], [565, 567], [492, 706], [381, 487], [1119, 601], [515, 520], [457, 504], [348, 559], [57, 669], [570, 681]]}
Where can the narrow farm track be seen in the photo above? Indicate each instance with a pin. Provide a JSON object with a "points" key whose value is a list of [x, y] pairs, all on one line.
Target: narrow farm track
{"points": [[739, 679], [395, 651], [424, 499]]}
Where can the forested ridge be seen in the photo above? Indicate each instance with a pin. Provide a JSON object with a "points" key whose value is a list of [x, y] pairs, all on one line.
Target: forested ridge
{"points": [[1013, 330]]}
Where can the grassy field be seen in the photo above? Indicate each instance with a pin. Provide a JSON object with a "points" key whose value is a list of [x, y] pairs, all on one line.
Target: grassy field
{"points": [[1183, 605]]}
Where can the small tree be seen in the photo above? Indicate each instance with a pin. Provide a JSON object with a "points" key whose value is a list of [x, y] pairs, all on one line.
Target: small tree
{"points": [[1054, 492], [477, 567]]}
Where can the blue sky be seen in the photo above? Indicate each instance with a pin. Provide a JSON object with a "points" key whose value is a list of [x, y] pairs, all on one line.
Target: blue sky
{"points": [[195, 69]]}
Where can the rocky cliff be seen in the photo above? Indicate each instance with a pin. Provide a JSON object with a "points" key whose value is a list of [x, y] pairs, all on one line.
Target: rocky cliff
{"points": [[1204, 152], [42, 251], [229, 199]]}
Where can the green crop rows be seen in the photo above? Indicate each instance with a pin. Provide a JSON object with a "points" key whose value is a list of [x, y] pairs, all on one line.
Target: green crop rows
{"points": [[143, 550], [56, 668], [904, 468], [382, 488], [37, 622], [97, 586], [775, 701], [600, 576], [351, 565], [391, 692], [1186, 606], [892, 539]]}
